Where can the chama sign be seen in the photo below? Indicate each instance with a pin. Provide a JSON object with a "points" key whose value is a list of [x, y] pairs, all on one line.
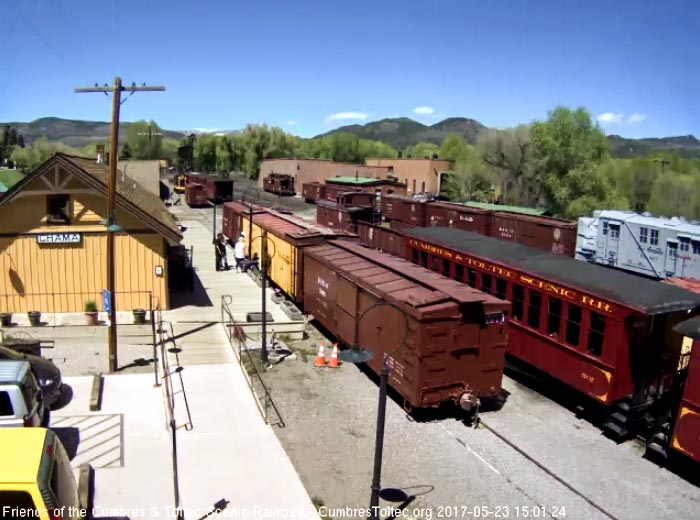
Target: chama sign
{"points": [[59, 238], [516, 277]]}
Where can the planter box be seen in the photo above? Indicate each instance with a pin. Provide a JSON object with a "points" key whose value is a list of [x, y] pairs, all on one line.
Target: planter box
{"points": [[34, 318], [291, 310], [6, 319], [257, 317], [277, 298]]}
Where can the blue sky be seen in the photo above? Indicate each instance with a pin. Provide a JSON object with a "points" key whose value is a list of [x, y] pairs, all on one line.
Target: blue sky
{"points": [[309, 66]]}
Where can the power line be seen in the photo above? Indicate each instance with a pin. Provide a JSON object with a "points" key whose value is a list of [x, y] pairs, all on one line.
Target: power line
{"points": [[116, 91]]}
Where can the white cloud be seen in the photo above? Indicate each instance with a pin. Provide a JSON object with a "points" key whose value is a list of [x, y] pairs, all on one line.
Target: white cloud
{"points": [[637, 118], [609, 117], [424, 111], [346, 115], [291, 123]]}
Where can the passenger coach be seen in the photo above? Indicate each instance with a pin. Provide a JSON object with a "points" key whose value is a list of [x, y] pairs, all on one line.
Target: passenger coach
{"points": [[605, 333]]}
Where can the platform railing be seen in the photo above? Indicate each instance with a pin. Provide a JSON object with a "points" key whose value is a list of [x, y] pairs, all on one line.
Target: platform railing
{"points": [[238, 341]]}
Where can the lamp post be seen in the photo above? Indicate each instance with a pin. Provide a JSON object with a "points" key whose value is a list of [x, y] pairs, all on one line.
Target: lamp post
{"points": [[360, 355], [263, 270]]}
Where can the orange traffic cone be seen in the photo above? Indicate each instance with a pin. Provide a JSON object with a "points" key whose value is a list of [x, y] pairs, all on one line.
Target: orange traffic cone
{"points": [[334, 357], [321, 356]]}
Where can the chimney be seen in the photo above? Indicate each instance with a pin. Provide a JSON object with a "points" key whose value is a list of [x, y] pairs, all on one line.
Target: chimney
{"points": [[100, 153]]}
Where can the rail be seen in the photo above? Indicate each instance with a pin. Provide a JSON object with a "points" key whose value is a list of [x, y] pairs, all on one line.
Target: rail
{"points": [[237, 338], [52, 307]]}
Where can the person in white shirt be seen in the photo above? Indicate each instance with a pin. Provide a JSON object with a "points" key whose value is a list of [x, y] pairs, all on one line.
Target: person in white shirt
{"points": [[239, 253]]}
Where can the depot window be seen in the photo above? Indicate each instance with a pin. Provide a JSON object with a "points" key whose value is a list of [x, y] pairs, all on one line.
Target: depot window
{"points": [[459, 272], [500, 288], [486, 280], [58, 209], [573, 325], [445, 267], [533, 310], [554, 316], [518, 298], [596, 334], [471, 278]]}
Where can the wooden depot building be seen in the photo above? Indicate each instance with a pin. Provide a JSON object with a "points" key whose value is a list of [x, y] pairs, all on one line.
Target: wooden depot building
{"points": [[53, 240]]}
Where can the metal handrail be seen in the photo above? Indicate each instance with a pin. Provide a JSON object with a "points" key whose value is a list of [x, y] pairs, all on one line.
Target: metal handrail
{"points": [[168, 373], [234, 330]]}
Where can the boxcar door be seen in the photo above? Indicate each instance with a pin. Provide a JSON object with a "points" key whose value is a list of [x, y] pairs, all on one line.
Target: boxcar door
{"points": [[671, 256]]}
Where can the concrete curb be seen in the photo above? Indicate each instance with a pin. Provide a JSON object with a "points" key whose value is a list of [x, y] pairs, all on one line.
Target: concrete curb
{"points": [[85, 489], [96, 393]]}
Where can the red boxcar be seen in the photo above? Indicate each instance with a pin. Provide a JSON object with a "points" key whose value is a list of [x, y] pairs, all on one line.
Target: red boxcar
{"points": [[588, 326], [219, 190], [344, 218], [454, 345], [382, 238], [450, 214], [550, 234], [196, 194], [313, 191]]}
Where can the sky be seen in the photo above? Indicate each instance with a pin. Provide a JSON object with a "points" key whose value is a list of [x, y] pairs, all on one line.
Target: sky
{"points": [[311, 66]]}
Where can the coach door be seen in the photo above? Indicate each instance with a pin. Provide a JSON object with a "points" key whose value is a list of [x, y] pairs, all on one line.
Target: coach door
{"points": [[612, 241], [671, 256]]}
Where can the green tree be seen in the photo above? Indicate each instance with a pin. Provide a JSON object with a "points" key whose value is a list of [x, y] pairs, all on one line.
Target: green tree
{"points": [[145, 139], [567, 141], [125, 154], [471, 179], [422, 150], [31, 156], [673, 194], [510, 153], [205, 153], [453, 148]]}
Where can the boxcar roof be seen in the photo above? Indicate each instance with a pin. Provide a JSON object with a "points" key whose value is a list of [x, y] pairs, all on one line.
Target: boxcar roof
{"points": [[511, 209], [648, 296], [415, 273]]}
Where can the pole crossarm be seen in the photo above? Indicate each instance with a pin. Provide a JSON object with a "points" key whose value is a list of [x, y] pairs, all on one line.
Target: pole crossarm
{"points": [[116, 90]]}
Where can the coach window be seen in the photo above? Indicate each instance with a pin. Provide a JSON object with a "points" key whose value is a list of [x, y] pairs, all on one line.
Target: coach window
{"points": [[486, 280], [518, 297], [553, 316], [533, 309], [471, 278], [414, 256], [500, 288], [424, 258], [435, 263], [573, 325], [596, 334], [459, 272], [445, 267]]}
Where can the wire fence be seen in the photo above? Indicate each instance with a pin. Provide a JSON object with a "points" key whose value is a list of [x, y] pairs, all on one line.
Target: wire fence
{"points": [[249, 366]]}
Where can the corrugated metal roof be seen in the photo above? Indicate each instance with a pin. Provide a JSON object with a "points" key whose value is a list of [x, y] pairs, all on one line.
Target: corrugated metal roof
{"points": [[512, 209], [648, 296], [674, 223]]}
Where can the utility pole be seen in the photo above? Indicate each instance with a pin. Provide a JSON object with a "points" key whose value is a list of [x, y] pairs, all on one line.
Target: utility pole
{"points": [[150, 135], [112, 227]]}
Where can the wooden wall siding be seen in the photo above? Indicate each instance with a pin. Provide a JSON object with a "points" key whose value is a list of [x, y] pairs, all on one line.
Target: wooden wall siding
{"points": [[61, 278]]}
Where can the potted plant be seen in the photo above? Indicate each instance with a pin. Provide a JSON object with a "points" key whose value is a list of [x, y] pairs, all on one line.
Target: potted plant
{"points": [[5, 319], [34, 318], [91, 312], [139, 316]]}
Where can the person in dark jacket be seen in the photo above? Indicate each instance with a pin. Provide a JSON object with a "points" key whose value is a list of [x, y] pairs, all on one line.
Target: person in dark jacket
{"points": [[220, 245]]}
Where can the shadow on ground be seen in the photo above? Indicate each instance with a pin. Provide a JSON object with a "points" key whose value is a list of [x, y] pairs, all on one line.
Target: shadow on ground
{"points": [[70, 438], [196, 297]]}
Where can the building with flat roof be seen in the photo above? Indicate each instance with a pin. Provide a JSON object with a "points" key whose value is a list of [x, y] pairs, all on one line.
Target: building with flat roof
{"points": [[419, 175]]}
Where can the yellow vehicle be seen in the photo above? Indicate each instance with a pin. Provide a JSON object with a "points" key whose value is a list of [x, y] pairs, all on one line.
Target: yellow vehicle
{"points": [[180, 183], [35, 476]]}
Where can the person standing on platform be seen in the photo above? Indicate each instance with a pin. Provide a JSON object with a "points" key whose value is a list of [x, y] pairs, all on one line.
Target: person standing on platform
{"points": [[239, 252], [221, 253]]}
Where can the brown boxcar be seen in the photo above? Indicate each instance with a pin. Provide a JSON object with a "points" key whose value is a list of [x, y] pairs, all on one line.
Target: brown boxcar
{"points": [[232, 219], [460, 216], [196, 194], [409, 210], [550, 234], [604, 333], [313, 191], [219, 190], [382, 238], [455, 343], [279, 184], [344, 218], [357, 199]]}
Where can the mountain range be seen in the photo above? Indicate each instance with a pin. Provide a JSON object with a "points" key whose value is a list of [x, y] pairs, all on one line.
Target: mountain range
{"points": [[398, 132]]}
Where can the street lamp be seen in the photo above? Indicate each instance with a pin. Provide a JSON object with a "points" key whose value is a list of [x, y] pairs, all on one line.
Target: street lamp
{"points": [[360, 355], [263, 270]]}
